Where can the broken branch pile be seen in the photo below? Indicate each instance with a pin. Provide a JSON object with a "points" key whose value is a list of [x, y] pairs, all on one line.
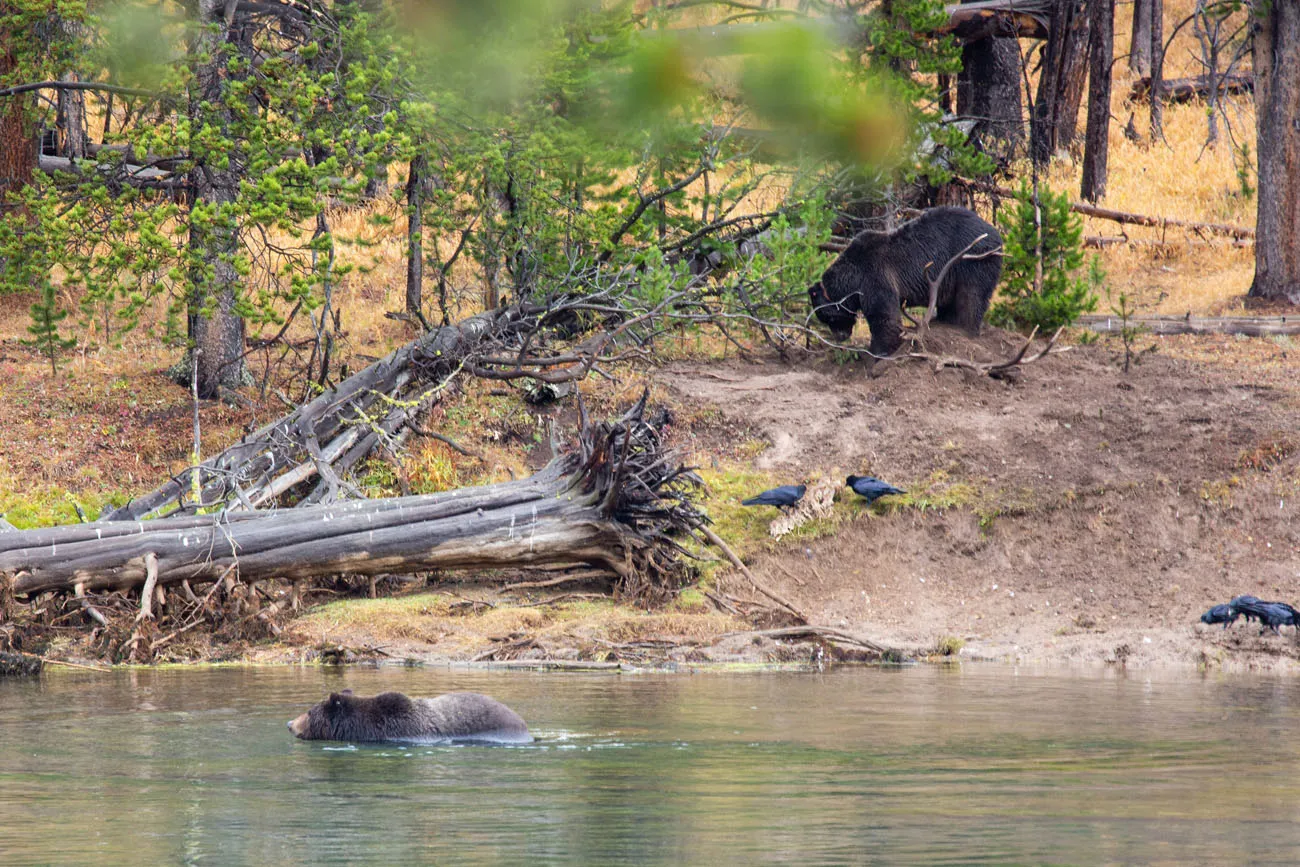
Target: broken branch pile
{"points": [[612, 503]]}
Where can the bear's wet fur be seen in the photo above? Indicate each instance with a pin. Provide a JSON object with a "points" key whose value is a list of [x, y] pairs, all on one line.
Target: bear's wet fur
{"points": [[881, 272], [392, 716]]}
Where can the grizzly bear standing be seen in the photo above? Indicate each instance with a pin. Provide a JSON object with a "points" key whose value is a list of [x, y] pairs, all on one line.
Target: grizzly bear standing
{"points": [[392, 716], [881, 272]]}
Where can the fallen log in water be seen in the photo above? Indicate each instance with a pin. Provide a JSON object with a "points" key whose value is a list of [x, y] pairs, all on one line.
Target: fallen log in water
{"points": [[612, 503]]}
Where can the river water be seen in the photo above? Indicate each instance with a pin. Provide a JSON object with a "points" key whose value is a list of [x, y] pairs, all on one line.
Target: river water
{"points": [[936, 765]]}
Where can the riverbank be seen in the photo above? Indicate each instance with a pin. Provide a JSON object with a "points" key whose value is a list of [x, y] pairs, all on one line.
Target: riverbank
{"points": [[1081, 515]]}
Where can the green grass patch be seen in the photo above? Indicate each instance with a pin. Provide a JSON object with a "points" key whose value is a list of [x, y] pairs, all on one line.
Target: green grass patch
{"points": [[52, 506]]}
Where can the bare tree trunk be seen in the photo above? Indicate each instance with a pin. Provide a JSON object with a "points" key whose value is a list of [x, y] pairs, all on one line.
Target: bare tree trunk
{"points": [[1060, 82], [1074, 74], [988, 89], [1096, 147], [415, 236], [1277, 113], [1139, 52], [217, 330], [1157, 11], [72, 120], [72, 103]]}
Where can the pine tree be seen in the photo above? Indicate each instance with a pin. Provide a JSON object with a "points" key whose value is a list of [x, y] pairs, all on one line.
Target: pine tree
{"points": [[1055, 234], [44, 329]]}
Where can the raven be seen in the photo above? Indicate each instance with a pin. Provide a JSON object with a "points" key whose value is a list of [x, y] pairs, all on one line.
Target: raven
{"points": [[782, 497], [1224, 614], [871, 488]]}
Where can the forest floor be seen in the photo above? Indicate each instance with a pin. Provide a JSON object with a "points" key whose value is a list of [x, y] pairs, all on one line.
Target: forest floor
{"points": [[1080, 515]]}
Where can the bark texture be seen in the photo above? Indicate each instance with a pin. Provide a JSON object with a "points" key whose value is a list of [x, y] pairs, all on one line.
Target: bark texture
{"points": [[988, 89], [216, 328], [17, 142], [1277, 110], [1096, 147], [1060, 83], [1139, 51]]}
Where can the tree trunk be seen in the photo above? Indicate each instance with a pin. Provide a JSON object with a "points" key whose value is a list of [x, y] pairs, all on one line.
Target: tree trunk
{"points": [[1096, 147], [988, 89], [1277, 124], [217, 330], [72, 120], [1157, 11], [1059, 82], [415, 236], [1139, 52], [17, 141], [1074, 75]]}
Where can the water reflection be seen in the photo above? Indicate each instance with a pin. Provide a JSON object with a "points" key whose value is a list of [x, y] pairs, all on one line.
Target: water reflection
{"points": [[974, 765]]}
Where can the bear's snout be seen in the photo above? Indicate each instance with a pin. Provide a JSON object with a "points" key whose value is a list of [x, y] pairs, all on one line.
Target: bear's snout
{"points": [[298, 725]]}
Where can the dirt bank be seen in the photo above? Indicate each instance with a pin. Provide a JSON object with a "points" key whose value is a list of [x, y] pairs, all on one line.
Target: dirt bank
{"points": [[1089, 515]]}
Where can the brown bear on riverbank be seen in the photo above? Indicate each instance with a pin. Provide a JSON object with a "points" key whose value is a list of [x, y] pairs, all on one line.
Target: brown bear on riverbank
{"points": [[881, 272], [391, 716]]}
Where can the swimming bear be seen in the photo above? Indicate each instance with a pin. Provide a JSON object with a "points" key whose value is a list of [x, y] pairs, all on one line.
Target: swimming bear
{"points": [[392, 716]]}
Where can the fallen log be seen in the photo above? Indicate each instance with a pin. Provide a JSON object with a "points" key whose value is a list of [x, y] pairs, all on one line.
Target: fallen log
{"points": [[1178, 90], [1122, 217], [612, 503], [1100, 242], [1249, 326]]}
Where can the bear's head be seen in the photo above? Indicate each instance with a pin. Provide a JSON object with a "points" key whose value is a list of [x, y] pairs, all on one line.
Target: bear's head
{"points": [[838, 316], [345, 717]]}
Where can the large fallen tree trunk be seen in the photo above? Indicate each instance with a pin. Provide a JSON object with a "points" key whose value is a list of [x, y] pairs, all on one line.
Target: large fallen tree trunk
{"points": [[612, 503]]}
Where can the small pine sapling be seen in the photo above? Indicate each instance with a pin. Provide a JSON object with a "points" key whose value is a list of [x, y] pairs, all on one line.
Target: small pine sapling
{"points": [[44, 328]]}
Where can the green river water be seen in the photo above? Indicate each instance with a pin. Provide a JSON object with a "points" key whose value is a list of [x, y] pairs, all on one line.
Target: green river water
{"points": [[916, 765]]}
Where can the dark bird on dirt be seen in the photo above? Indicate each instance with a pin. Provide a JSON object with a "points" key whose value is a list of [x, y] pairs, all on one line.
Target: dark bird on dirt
{"points": [[871, 488], [783, 497], [1271, 615], [1275, 614], [1246, 606], [1224, 614]]}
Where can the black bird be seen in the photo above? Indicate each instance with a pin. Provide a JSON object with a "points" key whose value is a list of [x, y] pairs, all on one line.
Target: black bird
{"points": [[871, 488], [1271, 615], [1275, 614], [1246, 606], [1224, 614], [782, 497]]}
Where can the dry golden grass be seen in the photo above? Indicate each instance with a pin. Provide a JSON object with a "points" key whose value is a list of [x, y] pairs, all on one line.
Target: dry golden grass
{"points": [[430, 618], [1176, 178]]}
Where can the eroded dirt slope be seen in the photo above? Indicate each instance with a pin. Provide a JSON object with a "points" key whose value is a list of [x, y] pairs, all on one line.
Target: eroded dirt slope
{"points": [[1091, 515]]}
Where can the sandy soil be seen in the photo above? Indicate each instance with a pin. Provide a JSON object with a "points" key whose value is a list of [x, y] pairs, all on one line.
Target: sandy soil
{"points": [[1106, 510]]}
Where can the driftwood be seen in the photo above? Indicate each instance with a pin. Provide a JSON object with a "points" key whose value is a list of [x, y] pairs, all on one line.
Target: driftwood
{"points": [[1122, 217], [1177, 90], [1250, 326], [828, 633], [609, 504]]}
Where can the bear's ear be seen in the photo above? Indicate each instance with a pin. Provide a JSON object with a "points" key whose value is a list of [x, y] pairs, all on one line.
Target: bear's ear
{"points": [[335, 700]]}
